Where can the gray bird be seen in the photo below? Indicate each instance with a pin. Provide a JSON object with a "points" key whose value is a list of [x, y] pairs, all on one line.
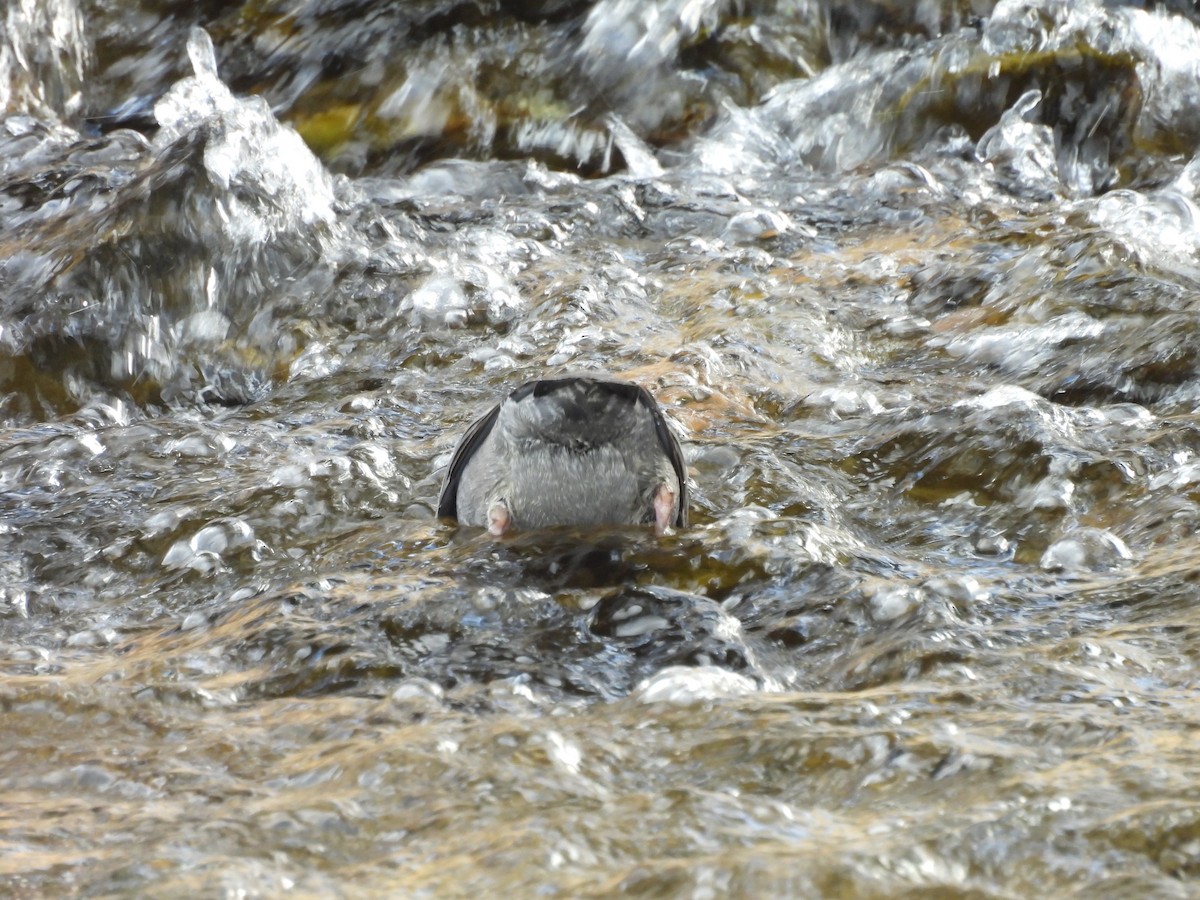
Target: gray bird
{"points": [[568, 451]]}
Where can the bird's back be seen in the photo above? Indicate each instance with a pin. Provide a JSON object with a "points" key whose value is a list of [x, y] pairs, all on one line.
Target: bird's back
{"points": [[567, 451]]}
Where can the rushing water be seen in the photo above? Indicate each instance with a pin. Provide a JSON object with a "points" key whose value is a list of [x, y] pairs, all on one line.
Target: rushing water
{"points": [[919, 288]]}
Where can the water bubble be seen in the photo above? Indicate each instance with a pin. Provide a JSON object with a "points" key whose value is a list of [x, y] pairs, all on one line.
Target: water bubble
{"points": [[441, 301], [419, 693], [888, 602], [203, 552], [1086, 549], [686, 685]]}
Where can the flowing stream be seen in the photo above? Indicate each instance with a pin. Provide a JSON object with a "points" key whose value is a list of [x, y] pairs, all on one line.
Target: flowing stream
{"points": [[919, 287]]}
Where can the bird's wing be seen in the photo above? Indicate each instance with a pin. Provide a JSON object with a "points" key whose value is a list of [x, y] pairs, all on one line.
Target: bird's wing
{"points": [[476, 435], [670, 445]]}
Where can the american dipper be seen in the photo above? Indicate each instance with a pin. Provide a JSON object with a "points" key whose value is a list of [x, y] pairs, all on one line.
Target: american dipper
{"points": [[576, 450]]}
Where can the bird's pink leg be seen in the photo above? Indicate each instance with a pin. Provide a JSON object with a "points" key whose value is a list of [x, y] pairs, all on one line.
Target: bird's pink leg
{"points": [[499, 519], [664, 508]]}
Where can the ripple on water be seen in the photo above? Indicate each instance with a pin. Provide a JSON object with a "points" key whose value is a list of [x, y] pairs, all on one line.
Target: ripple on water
{"points": [[918, 295]]}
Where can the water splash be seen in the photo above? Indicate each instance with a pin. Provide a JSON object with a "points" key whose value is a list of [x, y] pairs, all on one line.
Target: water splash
{"points": [[270, 181], [44, 58]]}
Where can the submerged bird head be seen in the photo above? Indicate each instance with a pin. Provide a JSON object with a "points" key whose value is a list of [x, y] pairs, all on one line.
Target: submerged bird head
{"points": [[576, 450]]}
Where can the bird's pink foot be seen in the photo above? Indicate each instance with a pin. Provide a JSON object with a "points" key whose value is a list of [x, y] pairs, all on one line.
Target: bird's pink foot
{"points": [[499, 518], [664, 508]]}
